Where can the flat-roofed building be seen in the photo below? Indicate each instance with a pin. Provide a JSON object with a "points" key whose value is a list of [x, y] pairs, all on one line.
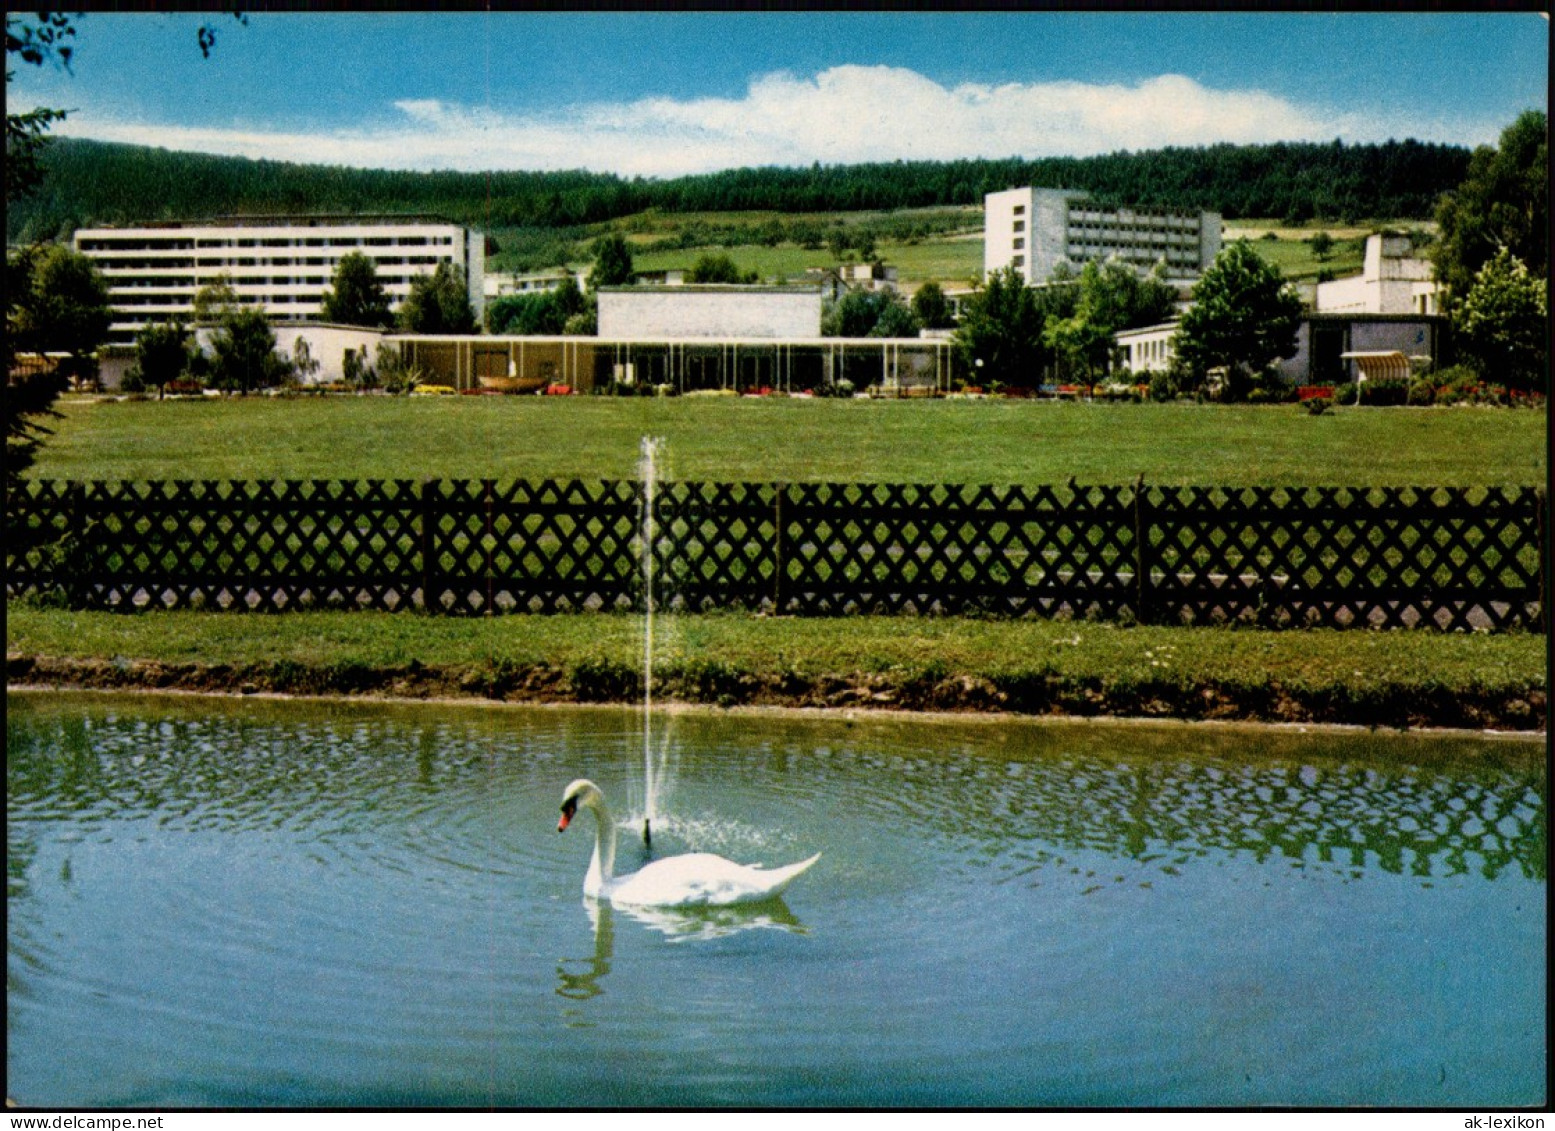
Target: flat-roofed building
{"points": [[1392, 281], [282, 264], [1034, 230], [583, 364], [709, 310]]}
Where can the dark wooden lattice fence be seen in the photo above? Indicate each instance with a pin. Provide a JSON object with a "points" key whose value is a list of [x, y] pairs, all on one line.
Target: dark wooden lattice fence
{"points": [[1445, 558]]}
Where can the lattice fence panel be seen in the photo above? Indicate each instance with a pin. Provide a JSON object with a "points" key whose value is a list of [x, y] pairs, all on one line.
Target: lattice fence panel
{"points": [[1395, 557], [1444, 558]]}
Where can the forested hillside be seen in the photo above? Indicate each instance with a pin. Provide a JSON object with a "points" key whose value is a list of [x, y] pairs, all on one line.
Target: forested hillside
{"points": [[95, 182]]}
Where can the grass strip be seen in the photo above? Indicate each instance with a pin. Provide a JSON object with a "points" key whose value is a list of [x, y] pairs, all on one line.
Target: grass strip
{"points": [[1037, 667], [783, 440]]}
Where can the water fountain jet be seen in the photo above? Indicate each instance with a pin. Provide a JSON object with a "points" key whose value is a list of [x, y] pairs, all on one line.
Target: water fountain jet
{"points": [[649, 473]]}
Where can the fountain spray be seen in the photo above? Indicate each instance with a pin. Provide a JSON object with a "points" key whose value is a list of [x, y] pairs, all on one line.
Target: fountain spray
{"points": [[649, 471]]}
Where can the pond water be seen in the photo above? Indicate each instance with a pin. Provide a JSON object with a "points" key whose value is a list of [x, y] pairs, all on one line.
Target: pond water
{"points": [[247, 903]]}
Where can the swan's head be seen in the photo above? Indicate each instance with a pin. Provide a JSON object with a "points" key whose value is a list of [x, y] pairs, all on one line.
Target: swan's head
{"points": [[580, 792]]}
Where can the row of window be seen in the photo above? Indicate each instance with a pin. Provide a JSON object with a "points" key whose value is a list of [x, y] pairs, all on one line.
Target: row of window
{"points": [[1154, 349], [136, 245], [142, 296], [130, 263], [330, 241], [1135, 254], [1132, 235], [1138, 219], [189, 243]]}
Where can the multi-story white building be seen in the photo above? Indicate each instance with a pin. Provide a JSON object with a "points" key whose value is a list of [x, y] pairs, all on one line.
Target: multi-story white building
{"points": [[283, 264], [1034, 230]]}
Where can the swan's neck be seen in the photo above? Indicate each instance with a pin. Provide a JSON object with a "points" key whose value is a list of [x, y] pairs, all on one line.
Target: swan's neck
{"points": [[602, 868]]}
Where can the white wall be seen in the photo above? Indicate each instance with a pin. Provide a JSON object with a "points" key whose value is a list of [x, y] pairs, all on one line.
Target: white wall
{"points": [[1392, 281], [709, 312], [327, 343]]}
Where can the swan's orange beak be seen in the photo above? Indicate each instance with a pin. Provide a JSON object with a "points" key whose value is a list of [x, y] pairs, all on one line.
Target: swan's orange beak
{"points": [[569, 810], [561, 825]]}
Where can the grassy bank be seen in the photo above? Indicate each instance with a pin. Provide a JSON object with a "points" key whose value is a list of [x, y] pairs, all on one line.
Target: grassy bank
{"points": [[996, 441], [1034, 667]]}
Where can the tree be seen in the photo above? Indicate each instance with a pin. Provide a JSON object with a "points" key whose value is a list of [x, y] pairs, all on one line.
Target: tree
{"points": [[29, 393], [64, 309], [1503, 202], [163, 351], [438, 303], [356, 297], [243, 356], [869, 314], [29, 397], [1322, 246], [216, 300], [1243, 318], [932, 307], [1000, 336], [612, 263], [1503, 324], [719, 269], [1110, 297], [303, 365]]}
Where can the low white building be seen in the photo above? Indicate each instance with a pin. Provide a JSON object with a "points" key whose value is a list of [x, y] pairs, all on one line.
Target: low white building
{"points": [[1392, 281], [1147, 349], [535, 282], [706, 310], [1326, 345], [328, 345]]}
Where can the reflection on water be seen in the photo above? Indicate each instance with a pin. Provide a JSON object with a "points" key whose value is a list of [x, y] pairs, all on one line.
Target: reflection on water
{"points": [[580, 977], [242, 773], [263, 903]]}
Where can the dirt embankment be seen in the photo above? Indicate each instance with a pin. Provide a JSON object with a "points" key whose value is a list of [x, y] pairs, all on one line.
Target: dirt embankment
{"points": [[1039, 693]]}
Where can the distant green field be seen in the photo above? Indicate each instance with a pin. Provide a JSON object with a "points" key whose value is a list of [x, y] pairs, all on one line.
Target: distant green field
{"points": [[952, 260], [957, 258], [994, 441], [1297, 262]]}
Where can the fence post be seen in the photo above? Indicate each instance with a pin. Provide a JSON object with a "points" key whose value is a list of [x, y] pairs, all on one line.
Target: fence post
{"points": [[780, 489], [1542, 522], [76, 566], [428, 524], [486, 541], [1141, 564]]}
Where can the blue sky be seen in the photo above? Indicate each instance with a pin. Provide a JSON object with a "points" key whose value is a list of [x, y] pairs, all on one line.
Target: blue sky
{"points": [[661, 94]]}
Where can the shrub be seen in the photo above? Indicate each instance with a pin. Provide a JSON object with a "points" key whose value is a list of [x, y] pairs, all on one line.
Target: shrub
{"points": [[1422, 392], [1163, 387], [1385, 392], [1317, 406]]}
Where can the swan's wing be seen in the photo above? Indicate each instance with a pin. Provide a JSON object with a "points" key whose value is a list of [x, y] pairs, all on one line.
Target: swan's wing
{"points": [[700, 879]]}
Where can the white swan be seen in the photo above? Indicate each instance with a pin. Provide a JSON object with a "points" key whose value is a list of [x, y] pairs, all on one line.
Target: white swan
{"points": [[698, 879]]}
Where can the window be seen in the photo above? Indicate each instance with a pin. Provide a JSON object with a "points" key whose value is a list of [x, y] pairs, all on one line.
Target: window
{"points": [[1020, 225], [1020, 210], [1019, 243], [1018, 261]]}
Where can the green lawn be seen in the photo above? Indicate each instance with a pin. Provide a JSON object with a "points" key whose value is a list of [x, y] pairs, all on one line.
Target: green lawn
{"points": [[809, 646], [994, 441]]}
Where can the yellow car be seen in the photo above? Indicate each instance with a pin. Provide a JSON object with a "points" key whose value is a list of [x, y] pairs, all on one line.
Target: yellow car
{"points": [[432, 391]]}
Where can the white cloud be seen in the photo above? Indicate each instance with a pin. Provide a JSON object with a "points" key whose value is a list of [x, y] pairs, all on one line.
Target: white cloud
{"points": [[844, 114]]}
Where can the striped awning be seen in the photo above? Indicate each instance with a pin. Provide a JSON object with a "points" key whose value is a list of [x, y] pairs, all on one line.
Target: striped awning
{"points": [[1380, 365]]}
